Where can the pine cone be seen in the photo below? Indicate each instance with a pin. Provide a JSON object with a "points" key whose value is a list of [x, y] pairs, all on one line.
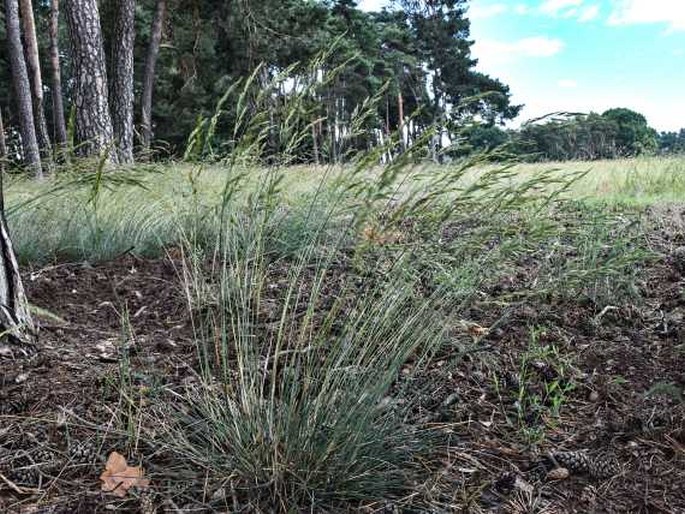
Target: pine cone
{"points": [[579, 462], [511, 381], [24, 472], [28, 477], [506, 482], [576, 462], [147, 504], [36, 436], [604, 466], [547, 372], [83, 452], [42, 456]]}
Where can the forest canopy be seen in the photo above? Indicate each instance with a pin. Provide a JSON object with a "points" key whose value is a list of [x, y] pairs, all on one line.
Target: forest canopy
{"points": [[165, 65]]}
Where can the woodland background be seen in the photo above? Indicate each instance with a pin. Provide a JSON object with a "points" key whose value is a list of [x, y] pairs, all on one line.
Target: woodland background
{"points": [[142, 76]]}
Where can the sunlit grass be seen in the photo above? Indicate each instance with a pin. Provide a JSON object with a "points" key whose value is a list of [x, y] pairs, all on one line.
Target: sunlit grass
{"points": [[67, 226], [639, 181]]}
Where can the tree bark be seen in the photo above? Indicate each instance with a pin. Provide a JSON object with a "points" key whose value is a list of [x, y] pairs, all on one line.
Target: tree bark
{"points": [[18, 332], [33, 64], [400, 122], [3, 146], [122, 80], [94, 131], [149, 77], [315, 144], [22, 89], [58, 120]]}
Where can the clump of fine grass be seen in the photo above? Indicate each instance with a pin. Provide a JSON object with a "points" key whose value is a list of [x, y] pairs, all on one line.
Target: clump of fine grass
{"points": [[292, 409], [298, 356], [287, 401]]}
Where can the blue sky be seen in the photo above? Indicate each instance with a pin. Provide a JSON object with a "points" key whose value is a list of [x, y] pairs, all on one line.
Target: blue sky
{"points": [[584, 55]]}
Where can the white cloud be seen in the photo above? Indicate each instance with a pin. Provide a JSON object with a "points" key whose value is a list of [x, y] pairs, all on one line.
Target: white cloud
{"points": [[479, 11], [522, 9], [537, 46], [567, 84], [589, 13], [492, 53], [630, 12], [577, 9], [558, 7]]}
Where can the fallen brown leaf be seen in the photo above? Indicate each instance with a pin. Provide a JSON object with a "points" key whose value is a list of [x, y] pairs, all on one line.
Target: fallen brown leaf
{"points": [[119, 477], [476, 330]]}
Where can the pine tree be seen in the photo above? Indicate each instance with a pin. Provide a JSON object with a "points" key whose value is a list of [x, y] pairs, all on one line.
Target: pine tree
{"points": [[22, 89], [149, 75], [122, 79], [94, 131], [36, 79], [58, 120]]}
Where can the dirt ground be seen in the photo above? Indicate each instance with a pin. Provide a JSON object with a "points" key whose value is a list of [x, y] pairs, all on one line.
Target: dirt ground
{"points": [[615, 377]]}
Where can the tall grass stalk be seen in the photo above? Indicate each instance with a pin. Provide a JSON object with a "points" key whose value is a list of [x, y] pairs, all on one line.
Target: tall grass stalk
{"points": [[300, 337]]}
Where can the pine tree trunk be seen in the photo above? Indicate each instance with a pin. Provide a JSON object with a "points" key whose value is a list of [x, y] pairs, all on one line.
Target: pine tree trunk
{"points": [[315, 144], [33, 64], [58, 120], [94, 132], [400, 123], [3, 146], [16, 325], [122, 80], [149, 77], [19, 332], [22, 89]]}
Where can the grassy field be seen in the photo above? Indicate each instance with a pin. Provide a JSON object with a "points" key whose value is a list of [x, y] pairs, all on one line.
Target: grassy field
{"points": [[67, 223], [420, 339]]}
